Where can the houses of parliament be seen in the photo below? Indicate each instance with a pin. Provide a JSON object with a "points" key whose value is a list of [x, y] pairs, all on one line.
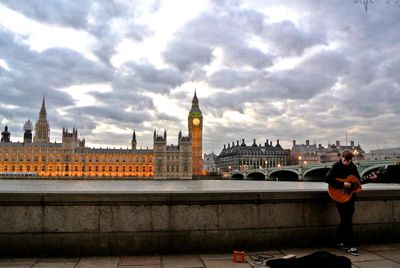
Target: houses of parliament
{"points": [[37, 156]]}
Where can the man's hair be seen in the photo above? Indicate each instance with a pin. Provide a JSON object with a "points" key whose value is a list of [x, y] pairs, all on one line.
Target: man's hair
{"points": [[347, 154]]}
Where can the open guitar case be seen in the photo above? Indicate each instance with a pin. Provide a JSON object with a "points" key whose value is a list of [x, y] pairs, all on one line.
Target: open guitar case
{"points": [[319, 259]]}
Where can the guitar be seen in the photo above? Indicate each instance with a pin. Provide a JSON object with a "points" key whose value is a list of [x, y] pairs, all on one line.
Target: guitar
{"points": [[342, 195]]}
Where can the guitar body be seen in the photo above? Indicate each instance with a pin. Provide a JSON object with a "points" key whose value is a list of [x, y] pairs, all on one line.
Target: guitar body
{"points": [[342, 195]]}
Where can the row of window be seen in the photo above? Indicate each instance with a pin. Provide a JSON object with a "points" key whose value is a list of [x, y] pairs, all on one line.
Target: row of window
{"points": [[68, 159], [75, 168]]}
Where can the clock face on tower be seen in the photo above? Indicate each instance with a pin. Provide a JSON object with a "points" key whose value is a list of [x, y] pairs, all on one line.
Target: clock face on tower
{"points": [[196, 121]]}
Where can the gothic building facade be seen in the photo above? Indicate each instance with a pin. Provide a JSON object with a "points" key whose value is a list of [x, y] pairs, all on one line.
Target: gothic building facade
{"points": [[71, 158]]}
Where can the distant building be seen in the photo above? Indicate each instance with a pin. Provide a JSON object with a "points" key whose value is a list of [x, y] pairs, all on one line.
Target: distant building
{"points": [[243, 157], [306, 153], [382, 154], [313, 154], [71, 158], [209, 165]]}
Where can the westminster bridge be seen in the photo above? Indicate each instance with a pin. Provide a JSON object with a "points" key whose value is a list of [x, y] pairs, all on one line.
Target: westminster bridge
{"points": [[311, 172]]}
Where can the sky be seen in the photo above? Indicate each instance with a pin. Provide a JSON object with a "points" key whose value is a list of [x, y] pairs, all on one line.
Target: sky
{"points": [[323, 71]]}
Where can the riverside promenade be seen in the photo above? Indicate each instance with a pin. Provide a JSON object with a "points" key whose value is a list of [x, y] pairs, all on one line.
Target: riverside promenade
{"points": [[371, 256], [77, 223]]}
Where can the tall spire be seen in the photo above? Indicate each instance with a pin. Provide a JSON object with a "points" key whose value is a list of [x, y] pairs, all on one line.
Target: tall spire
{"points": [[195, 104], [133, 142], [195, 101], [134, 136], [42, 129], [43, 113]]}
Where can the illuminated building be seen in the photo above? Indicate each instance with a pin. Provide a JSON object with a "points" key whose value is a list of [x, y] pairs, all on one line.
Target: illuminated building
{"points": [[71, 158]]}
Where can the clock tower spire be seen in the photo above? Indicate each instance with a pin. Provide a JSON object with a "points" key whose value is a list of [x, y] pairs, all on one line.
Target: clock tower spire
{"points": [[195, 126]]}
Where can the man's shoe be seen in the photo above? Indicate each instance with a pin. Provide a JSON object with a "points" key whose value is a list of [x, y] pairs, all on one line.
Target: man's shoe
{"points": [[342, 246], [353, 251]]}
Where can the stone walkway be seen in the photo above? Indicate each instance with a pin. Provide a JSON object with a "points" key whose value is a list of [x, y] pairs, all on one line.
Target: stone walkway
{"points": [[371, 256]]}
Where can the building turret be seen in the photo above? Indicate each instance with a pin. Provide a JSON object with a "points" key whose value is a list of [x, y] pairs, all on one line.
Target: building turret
{"points": [[70, 139], [5, 135], [81, 143], [28, 131]]}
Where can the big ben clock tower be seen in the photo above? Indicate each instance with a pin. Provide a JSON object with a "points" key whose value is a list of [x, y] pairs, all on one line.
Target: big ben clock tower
{"points": [[195, 126]]}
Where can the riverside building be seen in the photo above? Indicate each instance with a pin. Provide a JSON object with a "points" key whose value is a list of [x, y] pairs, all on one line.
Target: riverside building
{"points": [[243, 157], [37, 156]]}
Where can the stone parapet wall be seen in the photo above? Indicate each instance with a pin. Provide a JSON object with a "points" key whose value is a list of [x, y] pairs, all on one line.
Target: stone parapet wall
{"points": [[94, 223]]}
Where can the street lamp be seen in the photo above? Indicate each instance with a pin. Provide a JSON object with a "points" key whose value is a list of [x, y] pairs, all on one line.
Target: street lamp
{"points": [[355, 152], [300, 169]]}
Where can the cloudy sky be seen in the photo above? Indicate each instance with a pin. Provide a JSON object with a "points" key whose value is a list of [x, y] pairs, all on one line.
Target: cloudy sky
{"points": [[300, 70]]}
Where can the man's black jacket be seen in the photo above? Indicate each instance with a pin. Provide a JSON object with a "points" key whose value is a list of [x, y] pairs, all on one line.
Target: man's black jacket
{"points": [[341, 171]]}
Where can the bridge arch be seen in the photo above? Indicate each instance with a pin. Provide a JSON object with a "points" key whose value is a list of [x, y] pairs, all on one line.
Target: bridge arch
{"points": [[371, 169], [316, 173], [284, 175], [237, 176], [256, 176]]}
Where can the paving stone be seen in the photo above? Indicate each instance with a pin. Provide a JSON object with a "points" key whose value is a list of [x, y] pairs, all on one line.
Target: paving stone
{"points": [[375, 264], [16, 266], [393, 255], [373, 247], [139, 266], [225, 264], [54, 265], [182, 261], [98, 262], [76, 260], [364, 256], [216, 256], [18, 261], [140, 260]]}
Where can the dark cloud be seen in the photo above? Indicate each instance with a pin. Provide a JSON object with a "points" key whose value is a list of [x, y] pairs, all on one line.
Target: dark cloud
{"points": [[186, 55], [228, 30], [58, 12], [145, 77], [230, 79], [331, 70], [287, 39]]}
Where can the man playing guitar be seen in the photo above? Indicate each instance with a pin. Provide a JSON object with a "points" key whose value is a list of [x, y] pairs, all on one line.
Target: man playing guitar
{"points": [[342, 169]]}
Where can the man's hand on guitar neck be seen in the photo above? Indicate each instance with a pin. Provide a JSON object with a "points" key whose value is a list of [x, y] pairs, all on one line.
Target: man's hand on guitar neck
{"points": [[373, 176]]}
